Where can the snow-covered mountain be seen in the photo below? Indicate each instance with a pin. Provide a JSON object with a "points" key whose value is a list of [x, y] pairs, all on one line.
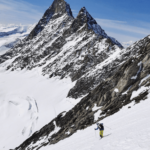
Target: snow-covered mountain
{"points": [[63, 46], [128, 87], [11, 34], [65, 76]]}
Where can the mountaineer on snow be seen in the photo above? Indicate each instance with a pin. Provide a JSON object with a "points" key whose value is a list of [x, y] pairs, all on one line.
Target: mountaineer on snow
{"points": [[100, 126]]}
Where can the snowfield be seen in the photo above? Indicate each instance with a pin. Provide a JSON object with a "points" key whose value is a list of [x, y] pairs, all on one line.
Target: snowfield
{"points": [[129, 129], [28, 101]]}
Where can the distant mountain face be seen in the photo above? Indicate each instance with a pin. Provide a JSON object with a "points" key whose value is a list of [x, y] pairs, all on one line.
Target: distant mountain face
{"points": [[11, 34]]}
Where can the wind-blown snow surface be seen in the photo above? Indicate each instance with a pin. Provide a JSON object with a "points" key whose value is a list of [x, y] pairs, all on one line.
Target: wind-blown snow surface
{"points": [[129, 129], [28, 101], [10, 34]]}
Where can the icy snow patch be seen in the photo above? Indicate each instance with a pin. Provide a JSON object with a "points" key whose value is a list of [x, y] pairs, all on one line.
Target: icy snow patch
{"points": [[95, 108], [67, 132], [127, 90], [140, 90], [144, 79], [116, 90], [63, 114], [135, 77], [87, 108], [96, 115], [38, 143], [55, 130]]}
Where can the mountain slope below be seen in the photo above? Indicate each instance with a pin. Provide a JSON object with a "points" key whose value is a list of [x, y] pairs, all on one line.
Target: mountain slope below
{"points": [[129, 84], [130, 129]]}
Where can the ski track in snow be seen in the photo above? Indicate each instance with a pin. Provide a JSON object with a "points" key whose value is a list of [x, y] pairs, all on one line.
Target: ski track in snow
{"points": [[130, 130], [18, 115]]}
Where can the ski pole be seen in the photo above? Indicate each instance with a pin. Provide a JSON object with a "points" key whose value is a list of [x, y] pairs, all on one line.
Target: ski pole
{"points": [[108, 127]]}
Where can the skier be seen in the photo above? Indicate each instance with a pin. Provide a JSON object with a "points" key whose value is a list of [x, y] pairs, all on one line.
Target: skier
{"points": [[101, 128]]}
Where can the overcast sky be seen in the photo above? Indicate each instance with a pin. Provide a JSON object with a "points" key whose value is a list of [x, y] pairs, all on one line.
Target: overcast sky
{"points": [[125, 20]]}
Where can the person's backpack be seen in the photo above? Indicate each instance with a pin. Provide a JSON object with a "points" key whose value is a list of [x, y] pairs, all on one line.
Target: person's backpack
{"points": [[100, 126]]}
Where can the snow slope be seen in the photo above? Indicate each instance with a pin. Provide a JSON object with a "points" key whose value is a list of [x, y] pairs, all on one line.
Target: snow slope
{"points": [[10, 34], [28, 101], [130, 130]]}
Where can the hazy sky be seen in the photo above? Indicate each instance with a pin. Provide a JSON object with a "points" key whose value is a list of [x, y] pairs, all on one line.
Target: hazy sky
{"points": [[126, 20]]}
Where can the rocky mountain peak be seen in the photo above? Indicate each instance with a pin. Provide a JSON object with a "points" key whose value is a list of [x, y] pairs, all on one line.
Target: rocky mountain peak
{"points": [[86, 22], [61, 7], [86, 17], [56, 10]]}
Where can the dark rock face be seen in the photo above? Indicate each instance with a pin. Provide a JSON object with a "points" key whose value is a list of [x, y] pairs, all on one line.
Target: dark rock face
{"points": [[105, 70], [84, 18]]}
